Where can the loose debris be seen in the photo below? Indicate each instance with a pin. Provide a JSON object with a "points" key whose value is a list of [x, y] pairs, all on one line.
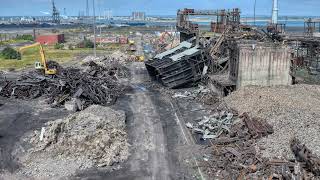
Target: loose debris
{"points": [[117, 56], [95, 137], [201, 94], [213, 126], [257, 128], [96, 85], [293, 111], [303, 154], [236, 155]]}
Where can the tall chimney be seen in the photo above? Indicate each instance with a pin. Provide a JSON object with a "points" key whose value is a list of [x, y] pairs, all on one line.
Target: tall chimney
{"points": [[275, 12]]}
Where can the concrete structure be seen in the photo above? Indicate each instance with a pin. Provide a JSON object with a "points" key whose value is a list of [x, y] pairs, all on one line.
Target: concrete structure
{"points": [[253, 63], [262, 65], [50, 39]]}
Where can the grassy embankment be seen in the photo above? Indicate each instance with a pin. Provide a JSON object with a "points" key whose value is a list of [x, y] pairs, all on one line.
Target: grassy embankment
{"points": [[29, 56]]}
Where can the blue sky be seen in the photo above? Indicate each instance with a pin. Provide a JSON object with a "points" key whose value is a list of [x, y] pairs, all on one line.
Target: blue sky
{"points": [[158, 7]]}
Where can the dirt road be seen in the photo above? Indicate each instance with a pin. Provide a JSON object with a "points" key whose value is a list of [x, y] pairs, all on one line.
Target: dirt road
{"points": [[155, 136]]}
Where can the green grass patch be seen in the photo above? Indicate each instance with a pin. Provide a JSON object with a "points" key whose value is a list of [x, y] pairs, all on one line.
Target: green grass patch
{"points": [[31, 55], [13, 41]]}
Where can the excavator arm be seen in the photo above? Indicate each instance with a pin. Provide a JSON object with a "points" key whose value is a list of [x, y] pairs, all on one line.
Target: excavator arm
{"points": [[43, 58]]}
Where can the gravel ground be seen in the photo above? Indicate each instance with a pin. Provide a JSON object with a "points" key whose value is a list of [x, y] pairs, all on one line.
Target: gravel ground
{"points": [[292, 110]]}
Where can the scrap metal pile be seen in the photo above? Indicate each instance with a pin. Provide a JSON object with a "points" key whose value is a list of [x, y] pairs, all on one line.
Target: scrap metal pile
{"points": [[201, 94], [94, 85], [236, 156], [213, 126]]}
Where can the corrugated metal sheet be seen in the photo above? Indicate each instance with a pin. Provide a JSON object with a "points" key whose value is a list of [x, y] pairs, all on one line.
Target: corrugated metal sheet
{"points": [[264, 66], [187, 52], [183, 44]]}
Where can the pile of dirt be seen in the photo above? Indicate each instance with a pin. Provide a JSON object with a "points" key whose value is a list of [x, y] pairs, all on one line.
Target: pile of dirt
{"points": [[95, 137], [293, 111]]}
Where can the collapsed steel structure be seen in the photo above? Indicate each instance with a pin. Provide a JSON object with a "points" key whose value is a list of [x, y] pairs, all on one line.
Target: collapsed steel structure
{"points": [[195, 56], [179, 66], [199, 57]]}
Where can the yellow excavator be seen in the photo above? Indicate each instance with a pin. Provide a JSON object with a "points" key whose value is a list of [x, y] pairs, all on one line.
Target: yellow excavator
{"points": [[43, 64]]}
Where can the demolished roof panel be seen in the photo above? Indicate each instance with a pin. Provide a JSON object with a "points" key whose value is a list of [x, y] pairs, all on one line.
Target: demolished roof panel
{"points": [[183, 44], [187, 52]]}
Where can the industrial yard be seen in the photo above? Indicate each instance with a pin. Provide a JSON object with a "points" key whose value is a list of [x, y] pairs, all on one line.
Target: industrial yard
{"points": [[199, 94]]}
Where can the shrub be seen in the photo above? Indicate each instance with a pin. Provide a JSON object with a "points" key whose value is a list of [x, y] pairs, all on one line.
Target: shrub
{"points": [[70, 47], [58, 46], [85, 44], [27, 37], [10, 53]]}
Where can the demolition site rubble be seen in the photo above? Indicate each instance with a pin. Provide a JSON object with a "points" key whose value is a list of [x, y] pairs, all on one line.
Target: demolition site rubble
{"points": [[213, 126], [293, 111], [80, 87], [236, 155], [94, 137]]}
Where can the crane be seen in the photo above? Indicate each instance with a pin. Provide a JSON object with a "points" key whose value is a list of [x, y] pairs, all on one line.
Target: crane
{"points": [[43, 64]]}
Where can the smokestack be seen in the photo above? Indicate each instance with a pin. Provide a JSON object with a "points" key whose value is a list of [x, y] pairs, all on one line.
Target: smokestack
{"points": [[275, 12]]}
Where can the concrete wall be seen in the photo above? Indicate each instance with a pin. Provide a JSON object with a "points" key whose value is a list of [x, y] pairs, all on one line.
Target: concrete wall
{"points": [[263, 65]]}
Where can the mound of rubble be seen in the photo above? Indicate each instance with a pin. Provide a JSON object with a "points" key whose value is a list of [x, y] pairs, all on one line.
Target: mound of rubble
{"points": [[95, 137], [201, 94], [293, 111], [236, 156], [211, 127], [117, 56], [95, 85]]}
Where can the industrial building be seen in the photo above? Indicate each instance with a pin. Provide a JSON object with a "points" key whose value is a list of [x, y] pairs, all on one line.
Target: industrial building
{"points": [[138, 16], [50, 39]]}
